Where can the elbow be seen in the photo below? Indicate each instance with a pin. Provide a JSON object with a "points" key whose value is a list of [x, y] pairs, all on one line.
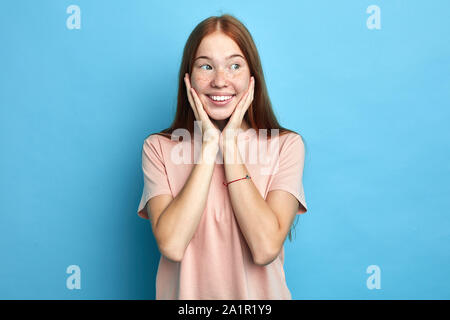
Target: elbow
{"points": [[169, 251], [263, 259], [172, 255]]}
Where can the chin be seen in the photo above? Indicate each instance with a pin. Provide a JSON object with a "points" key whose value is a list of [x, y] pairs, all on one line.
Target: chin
{"points": [[218, 115]]}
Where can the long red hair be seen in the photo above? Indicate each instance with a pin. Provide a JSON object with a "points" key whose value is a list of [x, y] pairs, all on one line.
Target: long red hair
{"points": [[259, 114]]}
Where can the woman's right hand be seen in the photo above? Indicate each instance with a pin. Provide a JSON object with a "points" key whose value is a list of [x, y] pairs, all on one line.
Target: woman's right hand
{"points": [[210, 134]]}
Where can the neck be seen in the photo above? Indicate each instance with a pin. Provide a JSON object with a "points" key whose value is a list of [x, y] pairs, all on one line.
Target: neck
{"points": [[220, 124]]}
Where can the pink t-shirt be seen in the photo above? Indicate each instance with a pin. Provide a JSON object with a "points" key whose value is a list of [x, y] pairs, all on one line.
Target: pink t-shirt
{"points": [[217, 263]]}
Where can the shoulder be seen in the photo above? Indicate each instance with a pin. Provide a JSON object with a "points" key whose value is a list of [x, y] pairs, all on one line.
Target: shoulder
{"points": [[155, 139], [291, 135], [292, 138], [152, 146], [292, 148]]}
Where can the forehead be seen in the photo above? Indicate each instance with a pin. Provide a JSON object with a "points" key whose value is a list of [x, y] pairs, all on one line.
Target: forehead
{"points": [[218, 45]]}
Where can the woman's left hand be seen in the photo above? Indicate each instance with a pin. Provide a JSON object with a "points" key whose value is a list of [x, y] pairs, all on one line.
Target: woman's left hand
{"points": [[231, 130]]}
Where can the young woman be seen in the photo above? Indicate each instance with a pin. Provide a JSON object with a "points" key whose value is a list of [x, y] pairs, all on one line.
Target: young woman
{"points": [[220, 225]]}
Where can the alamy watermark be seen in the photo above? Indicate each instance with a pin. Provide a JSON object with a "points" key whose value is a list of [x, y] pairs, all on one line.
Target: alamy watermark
{"points": [[254, 148], [374, 280], [74, 20], [374, 20], [74, 280]]}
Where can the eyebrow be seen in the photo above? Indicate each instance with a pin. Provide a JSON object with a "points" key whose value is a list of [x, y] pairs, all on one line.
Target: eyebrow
{"points": [[229, 57]]}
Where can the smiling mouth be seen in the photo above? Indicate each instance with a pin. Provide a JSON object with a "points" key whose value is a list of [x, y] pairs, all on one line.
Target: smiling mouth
{"points": [[220, 102]]}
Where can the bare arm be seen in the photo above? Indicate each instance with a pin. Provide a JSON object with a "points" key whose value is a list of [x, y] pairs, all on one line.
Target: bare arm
{"points": [[264, 223], [176, 225]]}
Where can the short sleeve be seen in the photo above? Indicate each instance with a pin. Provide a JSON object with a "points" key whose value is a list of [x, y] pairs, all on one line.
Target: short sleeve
{"points": [[154, 173], [289, 174]]}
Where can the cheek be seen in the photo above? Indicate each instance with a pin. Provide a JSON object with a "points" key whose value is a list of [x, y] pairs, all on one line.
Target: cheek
{"points": [[242, 83], [200, 81], [243, 87]]}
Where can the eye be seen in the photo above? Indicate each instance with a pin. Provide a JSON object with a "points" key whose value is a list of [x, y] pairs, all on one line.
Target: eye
{"points": [[236, 64], [205, 65]]}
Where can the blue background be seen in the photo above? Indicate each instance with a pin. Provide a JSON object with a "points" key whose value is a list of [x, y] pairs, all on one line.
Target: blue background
{"points": [[372, 105]]}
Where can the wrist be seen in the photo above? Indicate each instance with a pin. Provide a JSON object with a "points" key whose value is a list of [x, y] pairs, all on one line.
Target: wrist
{"points": [[209, 152], [231, 152], [210, 144], [230, 141]]}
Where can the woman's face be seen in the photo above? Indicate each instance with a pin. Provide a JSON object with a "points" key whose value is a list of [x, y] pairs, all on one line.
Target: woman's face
{"points": [[219, 75]]}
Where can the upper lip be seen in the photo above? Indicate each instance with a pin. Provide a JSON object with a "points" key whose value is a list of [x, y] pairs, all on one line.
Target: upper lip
{"points": [[220, 94]]}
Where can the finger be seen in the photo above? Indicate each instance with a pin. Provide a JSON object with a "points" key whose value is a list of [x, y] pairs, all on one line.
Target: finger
{"points": [[190, 98], [198, 103], [189, 94], [252, 92], [246, 99], [250, 95], [204, 117], [237, 115], [201, 114]]}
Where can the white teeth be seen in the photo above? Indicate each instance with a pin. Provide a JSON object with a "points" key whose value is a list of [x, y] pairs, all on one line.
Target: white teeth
{"points": [[220, 98]]}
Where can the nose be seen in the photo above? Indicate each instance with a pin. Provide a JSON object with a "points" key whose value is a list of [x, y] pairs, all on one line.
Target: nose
{"points": [[219, 79]]}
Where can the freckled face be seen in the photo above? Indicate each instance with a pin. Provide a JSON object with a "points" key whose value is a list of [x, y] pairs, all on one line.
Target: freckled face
{"points": [[219, 74]]}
